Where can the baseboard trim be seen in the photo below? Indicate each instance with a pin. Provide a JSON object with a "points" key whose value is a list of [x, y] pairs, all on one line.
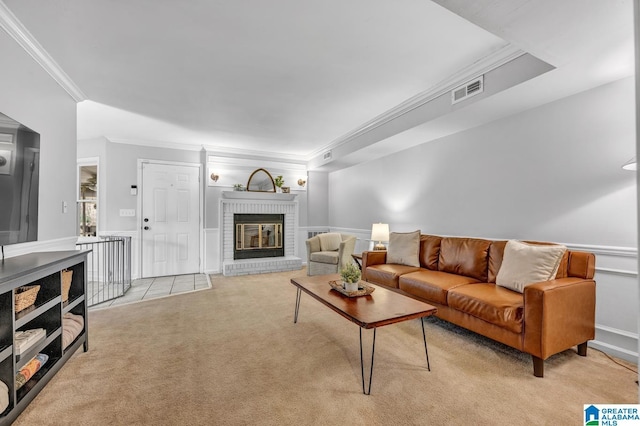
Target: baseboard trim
{"points": [[620, 343], [615, 351]]}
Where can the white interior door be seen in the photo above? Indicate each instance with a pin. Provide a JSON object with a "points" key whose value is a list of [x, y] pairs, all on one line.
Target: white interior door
{"points": [[170, 219]]}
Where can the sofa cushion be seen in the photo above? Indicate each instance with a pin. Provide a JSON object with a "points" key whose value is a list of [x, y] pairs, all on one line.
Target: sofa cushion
{"points": [[496, 251], [524, 264], [464, 256], [429, 251], [325, 257], [432, 285], [387, 274], [330, 241], [403, 248], [313, 244], [496, 305]]}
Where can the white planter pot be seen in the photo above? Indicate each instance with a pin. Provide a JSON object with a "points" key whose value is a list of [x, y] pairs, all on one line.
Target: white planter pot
{"points": [[351, 286]]}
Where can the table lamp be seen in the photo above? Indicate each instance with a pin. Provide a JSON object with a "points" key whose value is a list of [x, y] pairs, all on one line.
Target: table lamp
{"points": [[380, 233]]}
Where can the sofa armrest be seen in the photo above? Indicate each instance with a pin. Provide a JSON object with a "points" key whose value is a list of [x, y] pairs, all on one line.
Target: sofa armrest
{"points": [[376, 257], [558, 314]]}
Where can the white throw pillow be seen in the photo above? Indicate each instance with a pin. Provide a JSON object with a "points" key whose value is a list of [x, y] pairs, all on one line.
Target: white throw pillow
{"points": [[524, 264], [404, 248], [330, 241]]}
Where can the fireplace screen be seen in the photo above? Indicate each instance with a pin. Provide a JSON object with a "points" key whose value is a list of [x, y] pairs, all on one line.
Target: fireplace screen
{"points": [[258, 235]]}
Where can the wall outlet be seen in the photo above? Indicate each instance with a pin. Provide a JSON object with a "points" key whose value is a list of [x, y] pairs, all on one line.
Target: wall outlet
{"points": [[127, 212]]}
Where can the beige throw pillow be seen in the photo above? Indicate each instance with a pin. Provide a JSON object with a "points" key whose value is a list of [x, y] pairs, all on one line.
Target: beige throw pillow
{"points": [[404, 248], [524, 264], [330, 241]]}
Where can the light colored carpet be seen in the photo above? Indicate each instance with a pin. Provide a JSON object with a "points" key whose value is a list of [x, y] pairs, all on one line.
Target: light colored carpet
{"points": [[231, 355]]}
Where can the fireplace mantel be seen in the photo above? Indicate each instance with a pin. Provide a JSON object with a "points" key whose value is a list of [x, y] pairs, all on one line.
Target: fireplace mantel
{"points": [[247, 202], [251, 195]]}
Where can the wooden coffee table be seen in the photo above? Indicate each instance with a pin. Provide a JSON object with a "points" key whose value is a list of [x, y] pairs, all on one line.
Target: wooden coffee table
{"points": [[382, 307]]}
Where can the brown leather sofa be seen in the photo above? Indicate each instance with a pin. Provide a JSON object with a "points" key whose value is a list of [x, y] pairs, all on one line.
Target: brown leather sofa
{"points": [[458, 275]]}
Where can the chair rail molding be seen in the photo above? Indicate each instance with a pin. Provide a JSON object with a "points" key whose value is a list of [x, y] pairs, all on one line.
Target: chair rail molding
{"points": [[66, 243]]}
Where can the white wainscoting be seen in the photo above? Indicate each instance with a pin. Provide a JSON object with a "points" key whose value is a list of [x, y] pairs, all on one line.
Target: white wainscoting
{"points": [[617, 300], [212, 251], [617, 296]]}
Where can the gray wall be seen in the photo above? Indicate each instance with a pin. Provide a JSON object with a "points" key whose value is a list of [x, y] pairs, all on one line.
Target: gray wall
{"points": [[32, 97], [552, 174], [118, 170], [318, 202]]}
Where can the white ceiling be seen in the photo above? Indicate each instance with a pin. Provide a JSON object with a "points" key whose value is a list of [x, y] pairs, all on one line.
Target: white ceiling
{"points": [[292, 79]]}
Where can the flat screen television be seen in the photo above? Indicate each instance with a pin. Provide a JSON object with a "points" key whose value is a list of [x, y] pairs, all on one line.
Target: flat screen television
{"points": [[19, 178]]}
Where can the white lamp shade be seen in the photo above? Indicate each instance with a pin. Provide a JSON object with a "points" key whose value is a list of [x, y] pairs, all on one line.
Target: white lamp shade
{"points": [[630, 165], [380, 232]]}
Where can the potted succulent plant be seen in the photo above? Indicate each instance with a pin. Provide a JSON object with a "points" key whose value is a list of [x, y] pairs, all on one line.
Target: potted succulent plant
{"points": [[350, 275]]}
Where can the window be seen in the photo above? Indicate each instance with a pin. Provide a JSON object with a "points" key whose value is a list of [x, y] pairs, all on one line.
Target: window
{"points": [[88, 200]]}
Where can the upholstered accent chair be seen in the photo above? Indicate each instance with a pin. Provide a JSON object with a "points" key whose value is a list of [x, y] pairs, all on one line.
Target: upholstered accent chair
{"points": [[328, 253]]}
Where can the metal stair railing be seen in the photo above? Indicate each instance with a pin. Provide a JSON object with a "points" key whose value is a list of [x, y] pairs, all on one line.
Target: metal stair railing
{"points": [[108, 267]]}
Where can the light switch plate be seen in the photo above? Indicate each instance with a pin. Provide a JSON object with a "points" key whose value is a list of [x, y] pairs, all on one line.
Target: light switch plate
{"points": [[127, 212]]}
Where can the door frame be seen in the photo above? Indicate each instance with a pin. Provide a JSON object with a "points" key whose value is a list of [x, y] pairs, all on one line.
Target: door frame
{"points": [[141, 162]]}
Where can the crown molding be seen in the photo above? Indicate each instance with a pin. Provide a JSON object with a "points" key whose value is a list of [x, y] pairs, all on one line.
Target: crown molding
{"points": [[154, 143], [490, 62], [246, 162], [239, 152], [10, 23], [210, 149], [9, 123]]}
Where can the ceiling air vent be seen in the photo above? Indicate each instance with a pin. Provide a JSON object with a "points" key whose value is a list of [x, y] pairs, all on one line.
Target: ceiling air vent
{"points": [[327, 156], [467, 90]]}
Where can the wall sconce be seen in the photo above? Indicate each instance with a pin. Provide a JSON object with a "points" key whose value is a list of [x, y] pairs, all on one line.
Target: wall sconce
{"points": [[214, 177], [302, 182], [630, 165], [380, 233]]}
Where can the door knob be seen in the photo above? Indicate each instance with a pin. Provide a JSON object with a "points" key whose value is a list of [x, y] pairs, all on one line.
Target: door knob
{"points": [[146, 228]]}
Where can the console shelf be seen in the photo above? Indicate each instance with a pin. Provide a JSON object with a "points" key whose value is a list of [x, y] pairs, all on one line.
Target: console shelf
{"points": [[6, 353], [43, 269]]}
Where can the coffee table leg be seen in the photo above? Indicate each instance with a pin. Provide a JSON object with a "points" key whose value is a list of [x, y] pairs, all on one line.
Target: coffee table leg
{"points": [[298, 294], [424, 338], [373, 350]]}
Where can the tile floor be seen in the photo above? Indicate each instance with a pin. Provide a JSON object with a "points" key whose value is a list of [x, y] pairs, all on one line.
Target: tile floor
{"points": [[152, 288]]}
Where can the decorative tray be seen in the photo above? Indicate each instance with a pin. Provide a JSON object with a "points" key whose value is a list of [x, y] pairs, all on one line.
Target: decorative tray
{"points": [[363, 289]]}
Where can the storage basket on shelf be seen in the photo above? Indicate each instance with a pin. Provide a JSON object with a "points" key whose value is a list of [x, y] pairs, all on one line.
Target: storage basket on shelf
{"points": [[66, 283], [25, 296]]}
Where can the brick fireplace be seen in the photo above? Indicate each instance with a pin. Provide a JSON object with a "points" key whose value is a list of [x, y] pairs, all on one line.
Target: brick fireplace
{"points": [[235, 204]]}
